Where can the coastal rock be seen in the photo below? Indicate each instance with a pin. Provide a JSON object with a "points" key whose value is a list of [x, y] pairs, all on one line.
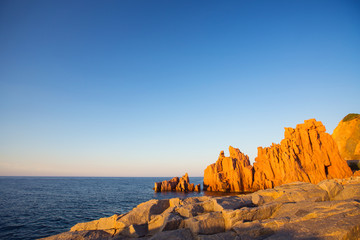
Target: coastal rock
{"points": [[82, 235], [332, 187], [179, 234], [220, 236], [169, 185], [229, 174], [164, 222], [209, 223], [180, 185], [328, 210], [347, 137], [106, 224], [307, 154]]}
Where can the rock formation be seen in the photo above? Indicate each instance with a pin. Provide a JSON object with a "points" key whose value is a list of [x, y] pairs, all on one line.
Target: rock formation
{"points": [[179, 185], [307, 153], [229, 174], [347, 137], [328, 210]]}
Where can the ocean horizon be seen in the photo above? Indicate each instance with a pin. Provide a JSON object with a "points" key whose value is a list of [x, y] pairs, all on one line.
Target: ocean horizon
{"points": [[33, 207]]}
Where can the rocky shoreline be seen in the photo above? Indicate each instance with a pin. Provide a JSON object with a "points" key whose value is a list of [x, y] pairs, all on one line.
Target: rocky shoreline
{"points": [[299, 210]]}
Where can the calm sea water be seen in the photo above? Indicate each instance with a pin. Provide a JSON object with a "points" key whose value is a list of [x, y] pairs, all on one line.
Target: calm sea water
{"points": [[35, 207]]}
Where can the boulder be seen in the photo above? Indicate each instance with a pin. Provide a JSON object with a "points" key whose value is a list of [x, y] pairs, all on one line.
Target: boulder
{"points": [[265, 211], [81, 235], [232, 202], [164, 222], [220, 236], [252, 230], [179, 234], [347, 137], [144, 212], [190, 210], [350, 191], [332, 187], [135, 230], [209, 223], [107, 224]]}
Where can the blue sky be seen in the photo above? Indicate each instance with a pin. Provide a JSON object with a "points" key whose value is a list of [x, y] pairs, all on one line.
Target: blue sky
{"points": [[159, 88]]}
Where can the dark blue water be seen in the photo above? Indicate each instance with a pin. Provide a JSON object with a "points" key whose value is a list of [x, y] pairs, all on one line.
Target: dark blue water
{"points": [[35, 207]]}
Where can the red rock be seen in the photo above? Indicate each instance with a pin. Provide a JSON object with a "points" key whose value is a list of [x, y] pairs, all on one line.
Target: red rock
{"points": [[157, 187], [169, 185], [307, 154], [176, 184], [191, 187], [182, 186], [347, 137], [197, 188], [229, 174]]}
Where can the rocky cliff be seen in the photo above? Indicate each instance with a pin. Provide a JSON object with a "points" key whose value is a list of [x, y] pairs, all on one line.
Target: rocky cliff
{"points": [[179, 185], [307, 153], [347, 137], [329, 210], [229, 174]]}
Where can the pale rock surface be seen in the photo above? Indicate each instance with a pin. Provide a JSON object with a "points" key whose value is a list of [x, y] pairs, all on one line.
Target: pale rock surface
{"points": [[179, 234], [328, 210], [208, 223]]}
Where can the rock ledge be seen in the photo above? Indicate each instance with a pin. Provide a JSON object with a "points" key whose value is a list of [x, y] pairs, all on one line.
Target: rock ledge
{"points": [[289, 211]]}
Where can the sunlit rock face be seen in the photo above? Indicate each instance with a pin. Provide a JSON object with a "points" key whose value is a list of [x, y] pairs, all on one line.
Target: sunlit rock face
{"points": [[307, 154], [229, 174], [347, 137], [179, 185]]}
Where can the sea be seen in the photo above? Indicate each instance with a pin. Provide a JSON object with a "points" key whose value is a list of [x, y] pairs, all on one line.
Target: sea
{"points": [[37, 207]]}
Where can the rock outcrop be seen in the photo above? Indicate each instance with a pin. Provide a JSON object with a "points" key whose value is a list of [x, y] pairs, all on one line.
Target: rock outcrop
{"points": [[229, 174], [307, 154], [179, 185], [347, 137], [328, 210]]}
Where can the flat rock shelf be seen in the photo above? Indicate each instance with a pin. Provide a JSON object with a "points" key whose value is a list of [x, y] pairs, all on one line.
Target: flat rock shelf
{"points": [[327, 210]]}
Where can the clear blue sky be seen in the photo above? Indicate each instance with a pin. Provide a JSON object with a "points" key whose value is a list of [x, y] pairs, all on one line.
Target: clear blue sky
{"points": [[159, 88]]}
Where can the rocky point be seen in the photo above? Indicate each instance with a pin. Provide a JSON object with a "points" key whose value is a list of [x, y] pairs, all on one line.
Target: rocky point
{"points": [[307, 153]]}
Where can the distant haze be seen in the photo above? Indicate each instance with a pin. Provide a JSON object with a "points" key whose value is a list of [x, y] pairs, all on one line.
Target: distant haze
{"points": [[159, 88]]}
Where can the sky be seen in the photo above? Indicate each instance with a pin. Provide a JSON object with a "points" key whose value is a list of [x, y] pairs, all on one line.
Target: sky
{"points": [[159, 88]]}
